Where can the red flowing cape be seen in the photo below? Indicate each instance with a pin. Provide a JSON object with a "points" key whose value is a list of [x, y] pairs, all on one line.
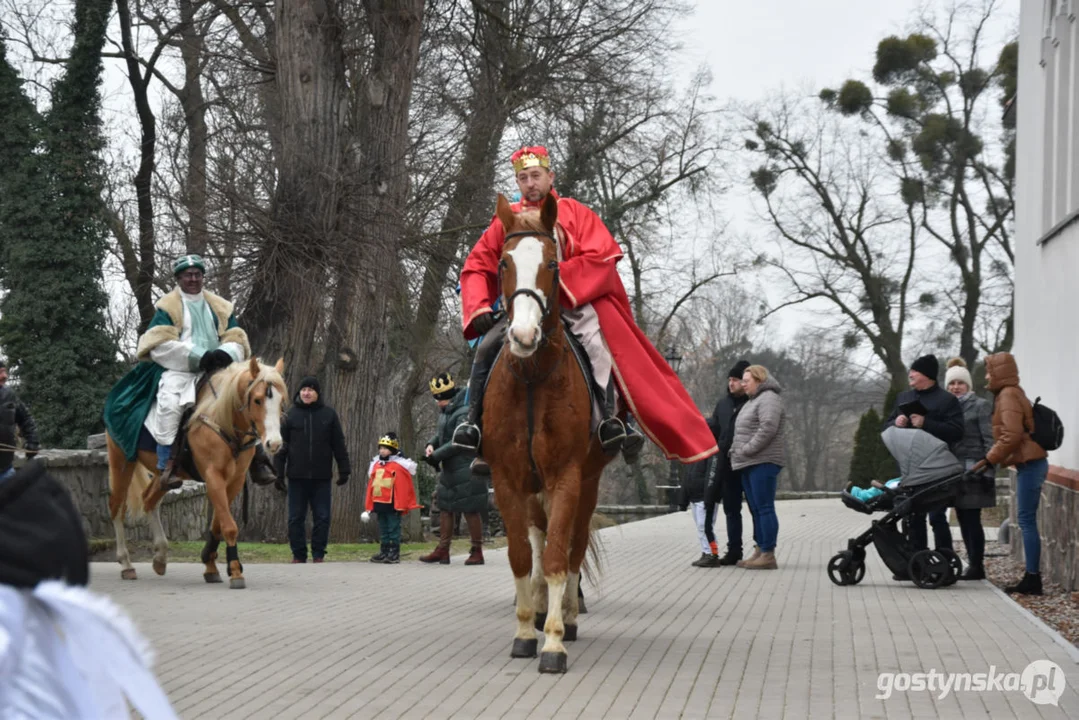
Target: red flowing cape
{"points": [[589, 274]]}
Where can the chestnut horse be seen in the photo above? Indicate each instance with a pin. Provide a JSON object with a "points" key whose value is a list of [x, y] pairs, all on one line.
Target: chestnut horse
{"points": [[235, 408], [545, 461]]}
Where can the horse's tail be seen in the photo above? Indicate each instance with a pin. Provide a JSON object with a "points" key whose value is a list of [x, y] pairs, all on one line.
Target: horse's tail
{"points": [[596, 557], [129, 477]]}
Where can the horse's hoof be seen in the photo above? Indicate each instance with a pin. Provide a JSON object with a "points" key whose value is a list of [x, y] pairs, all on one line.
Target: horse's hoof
{"points": [[570, 633], [237, 583], [552, 662], [541, 620], [524, 648], [159, 567], [128, 574], [212, 577]]}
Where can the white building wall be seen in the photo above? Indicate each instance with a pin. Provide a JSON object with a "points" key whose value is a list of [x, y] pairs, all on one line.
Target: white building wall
{"points": [[1047, 275]]}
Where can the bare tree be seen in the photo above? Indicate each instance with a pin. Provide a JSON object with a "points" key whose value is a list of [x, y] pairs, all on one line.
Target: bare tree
{"points": [[844, 238]]}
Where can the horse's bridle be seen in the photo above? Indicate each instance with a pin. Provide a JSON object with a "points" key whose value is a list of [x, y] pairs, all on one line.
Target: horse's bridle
{"points": [[545, 307]]}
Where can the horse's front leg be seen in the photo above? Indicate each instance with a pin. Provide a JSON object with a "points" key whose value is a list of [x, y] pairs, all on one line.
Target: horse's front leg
{"points": [[537, 538], [561, 515], [209, 552], [515, 519], [218, 492]]}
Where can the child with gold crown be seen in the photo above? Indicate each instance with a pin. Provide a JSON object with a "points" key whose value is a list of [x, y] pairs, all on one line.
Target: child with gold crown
{"points": [[390, 494]]}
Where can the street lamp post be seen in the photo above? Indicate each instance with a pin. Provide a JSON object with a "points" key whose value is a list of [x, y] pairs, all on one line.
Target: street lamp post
{"points": [[673, 484]]}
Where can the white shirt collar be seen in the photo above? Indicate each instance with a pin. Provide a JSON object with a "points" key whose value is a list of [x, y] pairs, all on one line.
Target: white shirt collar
{"points": [[192, 298]]}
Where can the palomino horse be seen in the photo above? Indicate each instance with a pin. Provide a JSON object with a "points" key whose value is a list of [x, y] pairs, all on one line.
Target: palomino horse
{"points": [[545, 462], [236, 407]]}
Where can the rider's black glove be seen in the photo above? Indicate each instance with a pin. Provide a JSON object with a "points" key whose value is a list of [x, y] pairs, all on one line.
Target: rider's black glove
{"points": [[214, 360], [483, 324]]}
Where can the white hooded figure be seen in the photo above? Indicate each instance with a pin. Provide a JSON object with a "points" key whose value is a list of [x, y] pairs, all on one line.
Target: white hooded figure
{"points": [[65, 652], [68, 654]]}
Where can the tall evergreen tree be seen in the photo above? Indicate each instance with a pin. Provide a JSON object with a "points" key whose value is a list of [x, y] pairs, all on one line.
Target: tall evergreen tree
{"points": [[53, 242]]}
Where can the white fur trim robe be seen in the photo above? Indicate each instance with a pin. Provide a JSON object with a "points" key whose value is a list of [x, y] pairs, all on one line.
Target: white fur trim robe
{"points": [[69, 654]]}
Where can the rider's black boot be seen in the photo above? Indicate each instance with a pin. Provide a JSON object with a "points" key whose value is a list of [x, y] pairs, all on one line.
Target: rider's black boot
{"points": [[261, 470]]}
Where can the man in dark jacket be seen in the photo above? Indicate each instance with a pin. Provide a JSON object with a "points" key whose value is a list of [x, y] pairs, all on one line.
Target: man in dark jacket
{"points": [[943, 419], [459, 489], [727, 483], [13, 415], [312, 440]]}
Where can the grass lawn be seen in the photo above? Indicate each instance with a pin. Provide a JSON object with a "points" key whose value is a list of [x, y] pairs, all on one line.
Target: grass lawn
{"points": [[102, 550]]}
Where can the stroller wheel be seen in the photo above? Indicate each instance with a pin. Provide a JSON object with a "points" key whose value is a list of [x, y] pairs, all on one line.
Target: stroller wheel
{"points": [[955, 563], [929, 569], [857, 572], [840, 568]]}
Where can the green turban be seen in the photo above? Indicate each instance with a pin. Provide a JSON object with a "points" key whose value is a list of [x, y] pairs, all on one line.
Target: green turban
{"points": [[186, 262]]}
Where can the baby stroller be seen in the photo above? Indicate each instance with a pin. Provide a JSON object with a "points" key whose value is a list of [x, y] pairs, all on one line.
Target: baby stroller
{"points": [[931, 475]]}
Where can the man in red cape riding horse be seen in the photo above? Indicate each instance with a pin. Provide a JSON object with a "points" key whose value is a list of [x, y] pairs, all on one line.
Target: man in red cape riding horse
{"points": [[595, 304]]}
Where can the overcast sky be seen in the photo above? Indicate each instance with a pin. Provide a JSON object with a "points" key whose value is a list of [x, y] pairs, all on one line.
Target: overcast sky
{"points": [[756, 47]]}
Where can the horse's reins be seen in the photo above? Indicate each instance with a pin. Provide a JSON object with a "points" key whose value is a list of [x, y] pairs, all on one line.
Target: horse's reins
{"points": [[530, 383], [239, 442]]}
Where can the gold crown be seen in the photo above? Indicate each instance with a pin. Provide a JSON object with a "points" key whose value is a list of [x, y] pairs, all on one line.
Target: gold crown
{"points": [[389, 442], [441, 384], [527, 160]]}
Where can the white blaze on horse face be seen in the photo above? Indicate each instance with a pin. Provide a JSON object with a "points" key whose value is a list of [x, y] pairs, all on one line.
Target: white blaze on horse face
{"points": [[272, 424], [524, 331]]}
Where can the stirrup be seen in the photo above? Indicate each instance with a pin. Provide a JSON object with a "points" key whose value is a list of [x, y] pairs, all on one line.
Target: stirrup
{"points": [[460, 440], [612, 435]]}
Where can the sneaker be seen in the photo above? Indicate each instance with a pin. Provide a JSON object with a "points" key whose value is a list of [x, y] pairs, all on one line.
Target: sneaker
{"points": [[699, 562], [297, 561], [712, 561]]}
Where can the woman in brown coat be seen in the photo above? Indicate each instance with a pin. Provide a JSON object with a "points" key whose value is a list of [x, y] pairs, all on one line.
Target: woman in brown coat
{"points": [[1013, 421]]}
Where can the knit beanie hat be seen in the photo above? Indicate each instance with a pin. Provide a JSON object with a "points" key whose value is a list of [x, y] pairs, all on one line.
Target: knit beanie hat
{"points": [[738, 370], [957, 370], [311, 382], [927, 365]]}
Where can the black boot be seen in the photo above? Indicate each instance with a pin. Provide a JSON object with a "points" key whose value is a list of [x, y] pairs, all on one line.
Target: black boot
{"points": [[730, 558], [1031, 584], [632, 445], [973, 572], [468, 434], [393, 557], [262, 471], [383, 551], [612, 435]]}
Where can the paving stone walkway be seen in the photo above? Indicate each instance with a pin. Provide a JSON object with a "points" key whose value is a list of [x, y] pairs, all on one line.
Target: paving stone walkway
{"points": [[662, 640]]}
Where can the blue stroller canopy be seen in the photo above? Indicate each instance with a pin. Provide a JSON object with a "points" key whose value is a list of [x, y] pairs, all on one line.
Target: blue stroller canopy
{"points": [[922, 458]]}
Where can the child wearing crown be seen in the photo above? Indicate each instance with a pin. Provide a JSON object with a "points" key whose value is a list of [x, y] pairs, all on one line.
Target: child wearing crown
{"points": [[390, 494]]}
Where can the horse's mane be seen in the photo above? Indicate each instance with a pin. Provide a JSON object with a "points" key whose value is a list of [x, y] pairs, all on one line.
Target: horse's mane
{"points": [[219, 406]]}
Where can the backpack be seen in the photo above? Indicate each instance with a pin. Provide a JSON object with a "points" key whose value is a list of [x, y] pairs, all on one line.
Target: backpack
{"points": [[1048, 430]]}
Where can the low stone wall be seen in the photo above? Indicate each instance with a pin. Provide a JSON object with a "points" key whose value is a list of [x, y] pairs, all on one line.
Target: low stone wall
{"points": [[1058, 526], [85, 473]]}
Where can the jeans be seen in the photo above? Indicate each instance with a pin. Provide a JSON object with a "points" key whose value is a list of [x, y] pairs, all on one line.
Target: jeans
{"points": [[301, 495], [700, 518], [918, 535], [759, 482], [1028, 493], [970, 524], [728, 487]]}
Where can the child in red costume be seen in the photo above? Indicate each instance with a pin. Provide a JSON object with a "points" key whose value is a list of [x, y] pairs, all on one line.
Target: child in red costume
{"points": [[390, 494]]}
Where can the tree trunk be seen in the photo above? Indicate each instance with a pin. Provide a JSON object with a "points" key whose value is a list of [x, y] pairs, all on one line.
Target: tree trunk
{"points": [[356, 342], [140, 275], [194, 107], [287, 302]]}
